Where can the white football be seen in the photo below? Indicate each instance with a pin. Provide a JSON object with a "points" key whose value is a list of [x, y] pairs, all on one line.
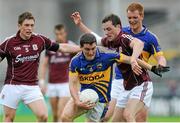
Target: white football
{"points": [[89, 94]]}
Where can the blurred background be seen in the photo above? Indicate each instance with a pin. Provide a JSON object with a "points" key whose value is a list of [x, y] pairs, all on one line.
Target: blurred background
{"points": [[162, 17]]}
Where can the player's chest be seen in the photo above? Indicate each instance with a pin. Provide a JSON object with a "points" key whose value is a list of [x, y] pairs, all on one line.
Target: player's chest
{"points": [[87, 68], [22, 52]]}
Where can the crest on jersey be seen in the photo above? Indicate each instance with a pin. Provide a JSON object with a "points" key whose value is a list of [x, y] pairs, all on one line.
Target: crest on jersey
{"points": [[99, 65], [90, 67], [35, 47]]}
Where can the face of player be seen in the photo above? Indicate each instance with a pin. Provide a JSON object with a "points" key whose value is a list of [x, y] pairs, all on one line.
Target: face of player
{"points": [[26, 28], [110, 30], [89, 51], [135, 20], [61, 35]]}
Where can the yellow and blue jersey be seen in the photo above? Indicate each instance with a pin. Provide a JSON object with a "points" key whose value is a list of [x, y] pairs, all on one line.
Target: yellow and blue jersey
{"points": [[95, 74], [151, 45]]}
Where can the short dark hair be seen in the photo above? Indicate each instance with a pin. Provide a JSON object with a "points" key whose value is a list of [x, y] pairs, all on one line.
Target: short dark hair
{"points": [[24, 16], [87, 38], [114, 18], [59, 27]]}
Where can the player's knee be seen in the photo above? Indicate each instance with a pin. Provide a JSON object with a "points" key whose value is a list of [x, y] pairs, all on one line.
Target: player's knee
{"points": [[9, 118], [141, 117], [127, 115], [106, 118], [66, 118], [55, 118], [42, 117]]}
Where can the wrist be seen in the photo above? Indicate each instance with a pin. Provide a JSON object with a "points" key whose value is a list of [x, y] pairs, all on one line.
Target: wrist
{"points": [[41, 82], [79, 23], [133, 59]]}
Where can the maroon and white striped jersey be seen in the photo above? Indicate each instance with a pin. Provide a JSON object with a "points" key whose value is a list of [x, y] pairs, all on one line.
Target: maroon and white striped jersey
{"points": [[23, 57], [58, 66], [122, 44]]}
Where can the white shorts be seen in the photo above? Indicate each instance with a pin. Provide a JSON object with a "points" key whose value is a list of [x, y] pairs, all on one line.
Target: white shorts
{"points": [[12, 94], [117, 86], [58, 90], [142, 92], [98, 112]]}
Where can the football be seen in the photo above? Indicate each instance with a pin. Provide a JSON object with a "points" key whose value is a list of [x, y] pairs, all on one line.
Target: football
{"points": [[89, 94]]}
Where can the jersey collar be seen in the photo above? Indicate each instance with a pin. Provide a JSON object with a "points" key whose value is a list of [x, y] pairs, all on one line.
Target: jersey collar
{"points": [[19, 37], [143, 32]]}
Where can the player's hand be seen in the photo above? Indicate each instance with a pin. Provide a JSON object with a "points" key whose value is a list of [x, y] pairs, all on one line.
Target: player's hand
{"points": [[158, 70], [87, 105], [76, 18], [42, 86], [135, 67]]}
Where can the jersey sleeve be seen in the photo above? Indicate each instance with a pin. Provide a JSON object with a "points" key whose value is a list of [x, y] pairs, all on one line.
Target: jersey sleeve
{"points": [[73, 67], [155, 47], [127, 39], [98, 38], [47, 53], [3, 50], [115, 57], [49, 45]]}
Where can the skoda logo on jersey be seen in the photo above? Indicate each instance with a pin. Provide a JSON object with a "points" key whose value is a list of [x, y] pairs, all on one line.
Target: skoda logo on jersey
{"points": [[35, 47]]}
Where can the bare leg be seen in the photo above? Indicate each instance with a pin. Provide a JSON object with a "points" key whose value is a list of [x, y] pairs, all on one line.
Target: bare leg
{"points": [[9, 114], [142, 115], [110, 111], [54, 106], [71, 111], [61, 104], [118, 115], [39, 109], [132, 107]]}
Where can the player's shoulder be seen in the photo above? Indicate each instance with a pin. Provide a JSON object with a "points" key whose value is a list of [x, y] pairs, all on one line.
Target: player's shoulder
{"points": [[8, 39], [104, 50], [76, 58], [106, 53], [125, 35], [38, 35], [126, 29], [152, 36]]}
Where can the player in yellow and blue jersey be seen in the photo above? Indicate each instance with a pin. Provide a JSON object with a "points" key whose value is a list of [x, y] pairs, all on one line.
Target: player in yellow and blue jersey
{"points": [[92, 68], [135, 15]]}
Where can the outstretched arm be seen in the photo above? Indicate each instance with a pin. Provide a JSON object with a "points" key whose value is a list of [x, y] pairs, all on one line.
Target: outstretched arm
{"points": [[78, 21], [69, 48], [155, 69]]}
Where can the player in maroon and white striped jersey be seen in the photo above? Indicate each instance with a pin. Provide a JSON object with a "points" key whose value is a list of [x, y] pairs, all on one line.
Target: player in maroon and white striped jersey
{"points": [[58, 64], [22, 52], [139, 87]]}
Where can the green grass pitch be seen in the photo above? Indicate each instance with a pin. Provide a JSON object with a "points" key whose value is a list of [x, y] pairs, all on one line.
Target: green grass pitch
{"points": [[31, 118]]}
